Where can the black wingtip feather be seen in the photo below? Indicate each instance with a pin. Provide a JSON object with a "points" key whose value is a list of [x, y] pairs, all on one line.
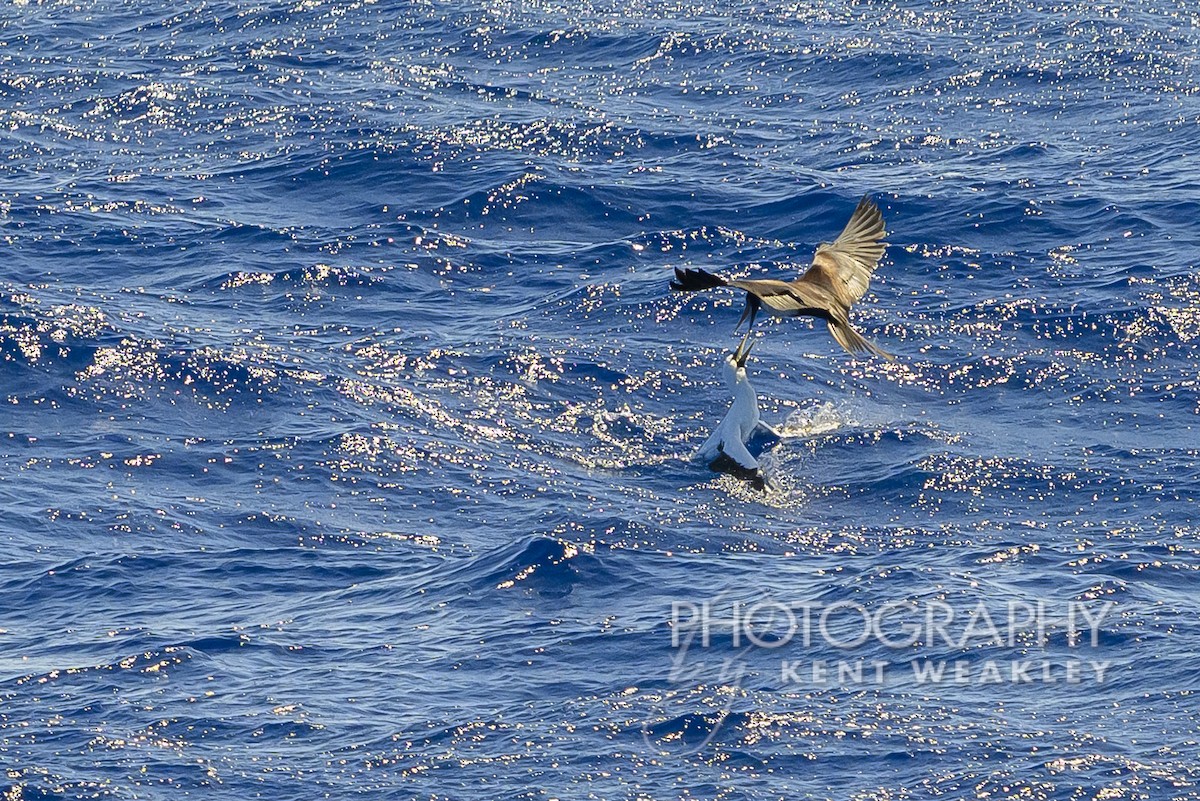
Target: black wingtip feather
{"points": [[726, 464], [695, 280]]}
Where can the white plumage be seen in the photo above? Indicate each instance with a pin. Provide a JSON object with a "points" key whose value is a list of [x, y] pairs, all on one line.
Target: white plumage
{"points": [[725, 449]]}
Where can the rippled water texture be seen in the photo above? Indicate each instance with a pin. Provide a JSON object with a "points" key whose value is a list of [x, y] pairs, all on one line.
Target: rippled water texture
{"points": [[346, 413]]}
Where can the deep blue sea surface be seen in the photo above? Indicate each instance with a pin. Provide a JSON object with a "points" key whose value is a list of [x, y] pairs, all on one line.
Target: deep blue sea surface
{"points": [[346, 415]]}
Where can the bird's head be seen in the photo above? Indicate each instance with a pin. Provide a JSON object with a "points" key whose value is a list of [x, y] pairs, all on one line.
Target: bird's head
{"points": [[735, 362]]}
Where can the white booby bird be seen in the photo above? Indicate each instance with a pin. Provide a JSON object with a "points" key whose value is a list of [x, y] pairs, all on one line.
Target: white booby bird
{"points": [[725, 449], [837, 278]]}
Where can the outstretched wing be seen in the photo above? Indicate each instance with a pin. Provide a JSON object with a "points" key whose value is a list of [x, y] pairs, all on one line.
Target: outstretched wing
{"points": [[844, 267], [789, 298]]}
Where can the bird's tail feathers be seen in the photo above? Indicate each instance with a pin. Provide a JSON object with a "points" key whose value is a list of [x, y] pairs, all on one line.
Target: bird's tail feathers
{"points": [[695, 280], [853, 341]]}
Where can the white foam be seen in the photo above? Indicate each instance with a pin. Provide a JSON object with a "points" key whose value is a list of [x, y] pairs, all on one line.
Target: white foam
{"points": [[818, 419]]}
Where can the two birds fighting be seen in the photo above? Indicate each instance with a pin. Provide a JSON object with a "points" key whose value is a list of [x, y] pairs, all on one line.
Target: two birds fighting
{"points": [[837, 279]]}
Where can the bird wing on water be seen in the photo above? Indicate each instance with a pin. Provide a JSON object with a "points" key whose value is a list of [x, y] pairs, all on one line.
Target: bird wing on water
{"points": [[736, 450], [844, 266]]}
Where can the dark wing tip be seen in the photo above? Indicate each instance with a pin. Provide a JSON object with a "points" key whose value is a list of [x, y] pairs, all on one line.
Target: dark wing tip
{"points": [[678, 283], [724, 463], [695, 280]]}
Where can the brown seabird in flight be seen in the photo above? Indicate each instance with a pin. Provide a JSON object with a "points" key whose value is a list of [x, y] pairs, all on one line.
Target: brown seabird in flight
{"points": [[838, 278]]}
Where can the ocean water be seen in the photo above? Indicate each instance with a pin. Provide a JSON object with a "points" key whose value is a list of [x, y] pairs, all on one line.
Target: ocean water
{"points": [[345, 412]]}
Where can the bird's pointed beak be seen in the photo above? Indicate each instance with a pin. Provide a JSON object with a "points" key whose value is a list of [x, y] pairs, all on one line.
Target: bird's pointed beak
{"points": [[743, 351]]}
